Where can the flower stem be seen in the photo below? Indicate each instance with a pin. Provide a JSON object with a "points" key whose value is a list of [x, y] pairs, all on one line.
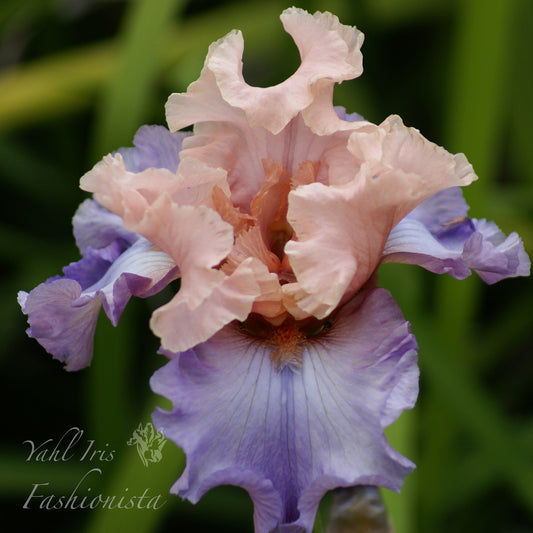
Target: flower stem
{"points": [[358, 509]]}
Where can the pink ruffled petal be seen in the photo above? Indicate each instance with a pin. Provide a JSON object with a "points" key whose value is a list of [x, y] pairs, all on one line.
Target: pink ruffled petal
{"points": [[196, 181], [321, 117], [251, 244], [241, 151], [198, 240], [329, 51], [183, 322], [301, 304], [202, 102], [425, 167], [127, 194], [270, 302], [195, 237], [238, 150], [341, 230], [335, 241]]}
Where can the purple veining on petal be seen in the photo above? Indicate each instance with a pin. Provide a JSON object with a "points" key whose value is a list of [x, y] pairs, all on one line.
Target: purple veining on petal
{"points": [[154, 147], [439, 236], [287, 437]]}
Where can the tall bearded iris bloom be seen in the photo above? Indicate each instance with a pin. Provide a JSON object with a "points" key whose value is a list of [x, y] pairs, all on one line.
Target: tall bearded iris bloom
{"points": [[286, 360]]}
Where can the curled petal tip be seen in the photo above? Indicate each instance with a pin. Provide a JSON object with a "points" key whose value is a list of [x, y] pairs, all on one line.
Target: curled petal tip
{"points": [[329, 51]]}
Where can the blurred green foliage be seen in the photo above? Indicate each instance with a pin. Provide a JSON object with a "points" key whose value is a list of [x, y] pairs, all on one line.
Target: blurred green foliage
{"points": [[79, 76]]}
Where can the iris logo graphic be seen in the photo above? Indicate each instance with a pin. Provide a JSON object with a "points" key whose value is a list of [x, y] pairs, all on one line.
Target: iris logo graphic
{"points": [[149, 443]]}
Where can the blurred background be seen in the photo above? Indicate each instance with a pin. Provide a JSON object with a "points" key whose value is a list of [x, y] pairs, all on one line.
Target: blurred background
{"points": [[78, 77]]}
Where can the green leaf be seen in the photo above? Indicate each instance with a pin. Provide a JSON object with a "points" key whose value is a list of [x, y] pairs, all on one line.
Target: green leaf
{"points": [[61, 84], [140, 58]]}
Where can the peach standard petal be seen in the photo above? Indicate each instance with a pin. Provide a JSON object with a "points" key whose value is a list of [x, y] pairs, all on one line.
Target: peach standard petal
{"points": [[196, 182], [341, 229], [329, 51], [195, 237], [127, 194], [182, 326], [198, 240], [241, 152], [393, 147]]}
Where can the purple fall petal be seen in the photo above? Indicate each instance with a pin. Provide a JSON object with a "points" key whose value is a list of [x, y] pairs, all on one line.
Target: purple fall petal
{"points": [[139, 271], [438, 210], [94, 264], [62, 321], [493, 255], [62, 312], [96, 227], [289, 436], [155, 147], [438, 236]]}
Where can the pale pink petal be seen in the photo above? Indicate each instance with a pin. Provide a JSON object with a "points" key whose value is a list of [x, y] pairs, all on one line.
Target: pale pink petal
{"points": [[131, 194], [241, 151], [198, 240], [298, 145], [238, 150], [195, 237], [195, 182], [269, 303], [202, 102], [328, 50], [334, 242], [341, 230], [321, 117], [125, 193], [223, 205], [301, 304], [392, 148], [182, 326], [250, 244]]}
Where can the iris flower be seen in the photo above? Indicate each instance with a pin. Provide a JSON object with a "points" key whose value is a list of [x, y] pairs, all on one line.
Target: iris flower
{"points": [[286, 360]]}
